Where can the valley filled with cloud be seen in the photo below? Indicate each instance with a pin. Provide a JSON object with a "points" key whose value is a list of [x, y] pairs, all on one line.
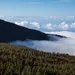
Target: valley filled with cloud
{"points": [[65, 45], [64, 27]]}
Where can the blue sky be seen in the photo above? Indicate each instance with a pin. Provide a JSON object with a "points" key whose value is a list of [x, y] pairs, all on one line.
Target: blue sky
{"points": [[37, 8]]}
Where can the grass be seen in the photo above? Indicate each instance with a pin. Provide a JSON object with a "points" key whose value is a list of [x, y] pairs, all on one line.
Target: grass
{"points": [[18, 60]]}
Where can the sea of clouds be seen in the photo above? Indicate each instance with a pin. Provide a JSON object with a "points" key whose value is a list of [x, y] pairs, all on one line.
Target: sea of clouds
{"points": [[65, 45], [50, 25]]}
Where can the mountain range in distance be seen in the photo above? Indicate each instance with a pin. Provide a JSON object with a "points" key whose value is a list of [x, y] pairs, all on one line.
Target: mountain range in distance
{"points": [[10, 32]]}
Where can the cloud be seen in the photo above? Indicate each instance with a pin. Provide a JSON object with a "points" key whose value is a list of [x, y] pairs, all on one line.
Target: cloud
{"points": [[64, 26], [35, 24], [49, 26], [64, 33], [22, 23], [66, 46], [61, 26], [70, 17], [73, 25], [32, 25]]}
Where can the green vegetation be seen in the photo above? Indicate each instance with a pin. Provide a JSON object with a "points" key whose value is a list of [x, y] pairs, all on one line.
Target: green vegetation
{"points": [[17, 60]]}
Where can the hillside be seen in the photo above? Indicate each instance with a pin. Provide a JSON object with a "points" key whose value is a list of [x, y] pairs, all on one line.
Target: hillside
{"points": [[11, 32], [17, 60]]}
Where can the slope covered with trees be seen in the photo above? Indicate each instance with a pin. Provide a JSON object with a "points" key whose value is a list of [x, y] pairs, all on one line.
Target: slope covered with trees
{"points": [[17, 60]]}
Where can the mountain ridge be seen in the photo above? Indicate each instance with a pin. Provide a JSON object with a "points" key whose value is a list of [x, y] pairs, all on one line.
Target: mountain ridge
{"points": [[10, 32]]}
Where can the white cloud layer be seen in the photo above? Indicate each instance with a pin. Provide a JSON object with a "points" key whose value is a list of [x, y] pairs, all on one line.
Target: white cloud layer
{"points": [[28, 24], [64, 33], [66, 45], [62, 26], [22, 23], [36, 25], [49, 26]]}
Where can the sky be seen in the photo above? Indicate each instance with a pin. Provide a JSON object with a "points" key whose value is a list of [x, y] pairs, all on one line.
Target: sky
{"points": [[37, 8]]}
